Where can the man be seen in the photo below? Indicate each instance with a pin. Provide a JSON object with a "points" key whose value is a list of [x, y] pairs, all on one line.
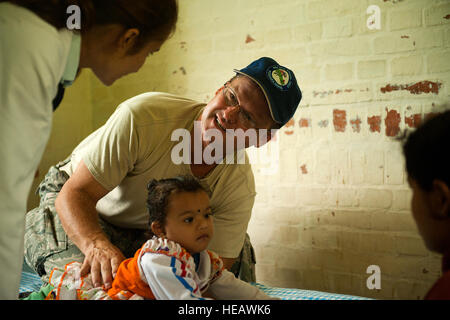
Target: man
{"points": [[99, 216]]}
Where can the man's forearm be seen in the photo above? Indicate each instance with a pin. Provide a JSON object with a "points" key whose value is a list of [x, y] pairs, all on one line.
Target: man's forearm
{"points": [[79, 217]]}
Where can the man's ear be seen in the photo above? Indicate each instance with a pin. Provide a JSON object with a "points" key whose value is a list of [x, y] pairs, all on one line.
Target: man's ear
{"points": [[157, 229], [440, 199]]}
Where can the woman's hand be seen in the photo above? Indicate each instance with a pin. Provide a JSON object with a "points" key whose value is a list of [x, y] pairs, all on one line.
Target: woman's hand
{"points": [[102, 259]]}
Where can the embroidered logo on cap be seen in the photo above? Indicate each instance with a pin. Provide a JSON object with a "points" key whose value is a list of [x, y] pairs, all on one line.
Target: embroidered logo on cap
{"points": [[279, 76]]}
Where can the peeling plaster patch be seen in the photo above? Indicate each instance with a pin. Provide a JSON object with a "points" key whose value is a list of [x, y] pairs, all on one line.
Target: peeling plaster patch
{"points": [[323, 123], [339, 120], [447, 17], [356, 124], [304, 170], [413, 121], [249, 39], [404, 37], [183, 70], [374, 123], [416, 88], [323, 94], [303, 123], [392, 122], [288, 124]]}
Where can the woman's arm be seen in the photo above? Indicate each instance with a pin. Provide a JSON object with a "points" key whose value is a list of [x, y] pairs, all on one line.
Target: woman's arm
{"points": [[75, 205]]}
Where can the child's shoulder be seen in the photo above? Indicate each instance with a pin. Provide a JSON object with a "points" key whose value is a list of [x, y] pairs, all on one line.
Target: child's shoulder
{"points": [[166, 247], [216, 262], [162, 245]]}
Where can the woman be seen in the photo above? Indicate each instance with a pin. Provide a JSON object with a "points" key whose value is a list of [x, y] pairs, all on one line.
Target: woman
{"points": [[39, 56]]}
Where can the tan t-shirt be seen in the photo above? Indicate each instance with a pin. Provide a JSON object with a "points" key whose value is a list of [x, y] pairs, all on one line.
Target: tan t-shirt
{"points": [[134, 146]]}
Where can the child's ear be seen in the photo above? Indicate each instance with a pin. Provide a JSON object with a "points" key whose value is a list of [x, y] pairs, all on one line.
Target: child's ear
{"points": [[157, 229], [441, 199]]}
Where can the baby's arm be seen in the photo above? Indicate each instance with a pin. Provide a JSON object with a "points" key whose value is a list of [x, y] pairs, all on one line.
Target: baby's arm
{"points": [[228, 287], [169, 278]]}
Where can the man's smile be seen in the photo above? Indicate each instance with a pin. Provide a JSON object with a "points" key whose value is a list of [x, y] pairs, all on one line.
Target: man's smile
{"points": [[217, 120]]}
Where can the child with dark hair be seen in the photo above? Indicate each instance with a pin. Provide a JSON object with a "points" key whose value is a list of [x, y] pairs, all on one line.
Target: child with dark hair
{"points": [[175, 263], [427, 165]]}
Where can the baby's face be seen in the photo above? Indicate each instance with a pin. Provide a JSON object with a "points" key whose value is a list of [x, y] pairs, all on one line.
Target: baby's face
{"points": [[433, 228], [189, 220]]}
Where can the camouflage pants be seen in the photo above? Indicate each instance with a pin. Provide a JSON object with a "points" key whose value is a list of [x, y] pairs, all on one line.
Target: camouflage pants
{"points": [[47, 245]]}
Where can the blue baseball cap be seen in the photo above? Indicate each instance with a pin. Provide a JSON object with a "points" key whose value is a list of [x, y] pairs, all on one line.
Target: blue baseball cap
{"points": [[279, 86]]}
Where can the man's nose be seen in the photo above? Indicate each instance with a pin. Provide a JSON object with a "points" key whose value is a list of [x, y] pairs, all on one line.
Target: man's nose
{"points": [[231, 114]]}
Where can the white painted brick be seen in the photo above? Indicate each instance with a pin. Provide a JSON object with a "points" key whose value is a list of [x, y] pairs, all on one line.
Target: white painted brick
{"points": [[288, 166], [401, 200], [371, 69], [447, 37], [375, 198], [347, 197], [407, 66], [436, 15], [355, 46], [337, 28], [410, 246], [325, 8], [357, 165], [307, 32], [340, 167], [339, 71], [322, 169], [392, 43], [394, 168], [374, 169], [438, 62], [405, 19], [283, 196]]}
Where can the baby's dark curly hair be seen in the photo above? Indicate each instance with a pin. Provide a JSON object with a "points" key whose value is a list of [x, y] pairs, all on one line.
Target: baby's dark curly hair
{"points": [[159, 192]]}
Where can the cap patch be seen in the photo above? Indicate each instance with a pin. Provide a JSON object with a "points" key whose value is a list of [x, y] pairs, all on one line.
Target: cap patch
{"points": [[280, 77]]}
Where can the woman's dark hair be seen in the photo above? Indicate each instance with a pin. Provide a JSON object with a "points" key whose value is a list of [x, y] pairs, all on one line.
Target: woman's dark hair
{"points": [[155, 19], [159, 192], [426, 151]]}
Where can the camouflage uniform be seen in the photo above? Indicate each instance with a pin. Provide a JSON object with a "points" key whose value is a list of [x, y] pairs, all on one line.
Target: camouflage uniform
{"points": [[47, 245]]}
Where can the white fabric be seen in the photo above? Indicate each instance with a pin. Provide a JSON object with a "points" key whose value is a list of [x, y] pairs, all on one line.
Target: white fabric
{"points": [[33, 56], [172, 276]]}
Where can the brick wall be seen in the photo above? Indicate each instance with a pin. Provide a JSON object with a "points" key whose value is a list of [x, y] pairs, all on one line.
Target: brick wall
{"points": [[339, 200]]}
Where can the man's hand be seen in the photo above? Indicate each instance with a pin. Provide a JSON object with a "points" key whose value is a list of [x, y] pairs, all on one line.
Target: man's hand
{"points": [[102, 259]]}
